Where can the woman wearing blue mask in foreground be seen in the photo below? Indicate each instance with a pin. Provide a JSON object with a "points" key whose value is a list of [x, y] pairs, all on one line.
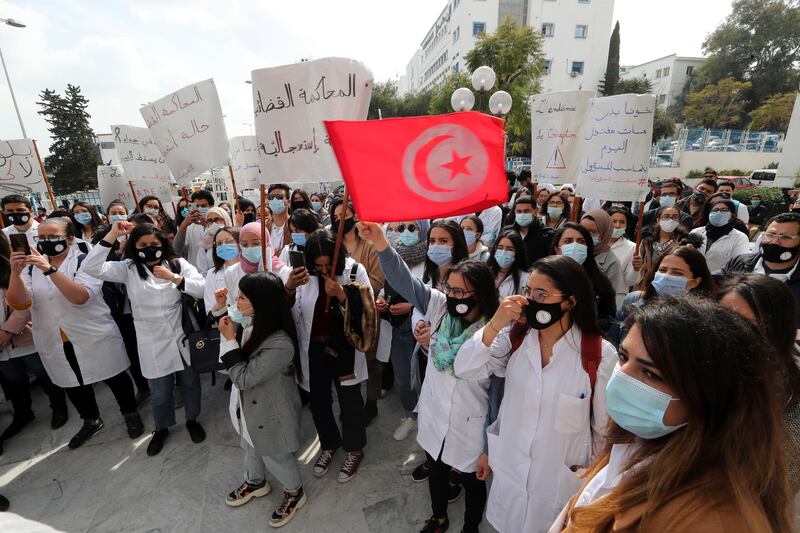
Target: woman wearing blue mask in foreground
{"points": [[696, 439], [723, 241]]}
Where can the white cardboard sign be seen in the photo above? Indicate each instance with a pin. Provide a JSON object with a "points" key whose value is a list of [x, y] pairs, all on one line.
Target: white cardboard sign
{"points": [[244, 161], [114, 185], [138, 154], [20, 172]]}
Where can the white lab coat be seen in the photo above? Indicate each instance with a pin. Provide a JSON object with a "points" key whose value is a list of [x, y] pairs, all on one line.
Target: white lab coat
{"points": [[624, 250], [723, 249], [94, 335], [506, 288], [156, 309], [303, 313], [234, 274], [543, 427], [215, 279], [451, 411], [492, 219], [384, 350], [30, 234], [191, 243]]}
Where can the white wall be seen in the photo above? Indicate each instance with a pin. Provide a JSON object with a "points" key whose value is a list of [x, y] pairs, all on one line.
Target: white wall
{"points": [[746, 161]]}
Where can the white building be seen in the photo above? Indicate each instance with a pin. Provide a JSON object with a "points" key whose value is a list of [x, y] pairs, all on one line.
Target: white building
{"points": [[668, 75], [575, 33], [104, 143]]}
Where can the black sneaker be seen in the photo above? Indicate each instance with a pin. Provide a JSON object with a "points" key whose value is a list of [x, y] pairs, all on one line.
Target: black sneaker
{"points": [[246, 492], [157, 442], [323, 462], [284, 513], [59, 418], [370, 412], [454, 492], [135, 426], [433, 525], [89, 429], [4, 504], [17, 424], [420, 473], [196, 431]]}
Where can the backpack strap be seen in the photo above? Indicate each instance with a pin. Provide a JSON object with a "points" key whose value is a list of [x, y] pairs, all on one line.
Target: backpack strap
{"points": [[83, 247], [353, 272], [591, 355]]}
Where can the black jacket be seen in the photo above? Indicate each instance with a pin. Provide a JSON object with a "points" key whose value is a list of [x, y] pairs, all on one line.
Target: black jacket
{"points": [[746, 263]]}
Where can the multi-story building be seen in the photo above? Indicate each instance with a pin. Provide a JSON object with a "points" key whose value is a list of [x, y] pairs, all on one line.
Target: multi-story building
{"points": [[575, 40], [106, 151], [668, 75]]}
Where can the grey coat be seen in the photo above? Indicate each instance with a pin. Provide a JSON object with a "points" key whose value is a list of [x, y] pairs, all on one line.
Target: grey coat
{"points": [[268, 398]]}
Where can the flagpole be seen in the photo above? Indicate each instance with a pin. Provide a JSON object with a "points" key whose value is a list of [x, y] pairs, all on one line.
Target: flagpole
{"points": [[576, 207], [44, 174], [263, 190], [235, 194], [339, 237], [639, 228]]}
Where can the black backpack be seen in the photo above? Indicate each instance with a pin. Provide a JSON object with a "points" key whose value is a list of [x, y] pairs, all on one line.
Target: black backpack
{"points": [[193, 310]]}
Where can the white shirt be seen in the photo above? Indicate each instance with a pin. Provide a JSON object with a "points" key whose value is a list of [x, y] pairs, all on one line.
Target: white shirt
{"points": [[194, 232], [30, 233], [492, 219], [624, 250], [723, 249], [276, 236]]}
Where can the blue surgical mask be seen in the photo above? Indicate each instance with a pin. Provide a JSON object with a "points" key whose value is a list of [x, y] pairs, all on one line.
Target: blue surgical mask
{"points": [[667, 285], [203, 210], [277, 206], [617, 233], [117, 218], [576, 251], [666, 201], [637, 407], [470, 237], [185, 212], [409, 238], [316, 206], [83, 218], [755, 203], [440, 254], [554, 212], [299, 238], [719, 218], [237, 316], [392, 236], [252, 254], [504, 258], [227, 252], [595, 240], [523, 220]]}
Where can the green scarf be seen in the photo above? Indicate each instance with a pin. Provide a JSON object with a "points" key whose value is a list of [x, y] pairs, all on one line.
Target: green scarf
{"points": [[449, 338]]}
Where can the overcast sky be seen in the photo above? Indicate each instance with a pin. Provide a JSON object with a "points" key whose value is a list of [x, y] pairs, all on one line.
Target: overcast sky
{"points": [[124, 54]]}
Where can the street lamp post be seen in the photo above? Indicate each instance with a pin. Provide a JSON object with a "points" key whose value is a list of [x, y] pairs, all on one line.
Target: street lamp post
{"points": [[483, 80], [15, 24]]}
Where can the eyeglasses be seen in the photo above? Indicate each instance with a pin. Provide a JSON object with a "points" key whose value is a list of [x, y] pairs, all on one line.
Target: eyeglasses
{"points": [[455, 292], [723, 210], [539, 295], [49, 238], [782, 238], [669, 217], [276, 197], [411, 227]]}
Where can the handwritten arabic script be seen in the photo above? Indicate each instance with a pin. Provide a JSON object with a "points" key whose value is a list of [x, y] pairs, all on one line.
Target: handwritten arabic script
{"points": [[19, 168], [138, 153], [244, 161]]}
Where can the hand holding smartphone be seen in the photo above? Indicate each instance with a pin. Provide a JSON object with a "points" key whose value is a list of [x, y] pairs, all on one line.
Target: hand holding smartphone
{"points": [[19, 243]]}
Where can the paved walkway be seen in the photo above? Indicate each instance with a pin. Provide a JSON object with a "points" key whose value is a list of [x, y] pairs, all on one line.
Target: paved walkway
{"points": [[111, 485]]}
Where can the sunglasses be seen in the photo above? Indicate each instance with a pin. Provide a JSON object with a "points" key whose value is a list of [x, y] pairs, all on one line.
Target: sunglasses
{"points": [[411, 227]]}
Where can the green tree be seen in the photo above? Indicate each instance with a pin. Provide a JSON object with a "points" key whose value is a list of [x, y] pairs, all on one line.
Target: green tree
{"points": [[416, 104], [73, 157], [384, 98], [608, 85], [774, 114], [759, 42], [440, 102], [633, 86], [717, 106], [663, 124]]}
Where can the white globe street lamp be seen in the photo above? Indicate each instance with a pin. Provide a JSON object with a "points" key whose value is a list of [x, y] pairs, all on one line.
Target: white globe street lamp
{"points": [[500, 103], [14, 24], [483, 78], [462, 99]]}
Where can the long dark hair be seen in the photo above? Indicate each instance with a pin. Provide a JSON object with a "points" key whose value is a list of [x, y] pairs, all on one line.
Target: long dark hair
{"points": [[304, 220], [219, 263], [168, 222], [776, 312], [459, 253], [567, 207], [322, 243], [141, 230], [271, 312], [698, 266], [5, 261], [478, 275], [599, 280], [520, 255], [92, 211], [304, 195], [572, 280]]}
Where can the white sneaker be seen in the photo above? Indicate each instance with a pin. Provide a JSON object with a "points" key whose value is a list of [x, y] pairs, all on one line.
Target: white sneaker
{"points": [[407, 425]]}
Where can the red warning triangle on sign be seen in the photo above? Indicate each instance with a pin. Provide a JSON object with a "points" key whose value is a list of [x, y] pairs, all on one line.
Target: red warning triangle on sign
{"points": [[557, 160]]}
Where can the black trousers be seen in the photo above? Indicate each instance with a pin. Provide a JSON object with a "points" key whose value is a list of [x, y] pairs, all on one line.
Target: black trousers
{"points": [[474, 493], [128, 332], [82, 396], [16, 387], [322, 372]]}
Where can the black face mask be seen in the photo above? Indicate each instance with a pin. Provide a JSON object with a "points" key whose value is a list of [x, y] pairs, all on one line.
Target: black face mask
{"points": [[726, 195], [775, 253], [249, 217], [542, 316], [148, 254], [52, 248], [349, 224], [699, 197], [17, 219], [299, 205], [460, 307]]}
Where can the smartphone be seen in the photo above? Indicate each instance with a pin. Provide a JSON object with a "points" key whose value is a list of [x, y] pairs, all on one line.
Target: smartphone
{"points": [[297, 258], [19, 243]]}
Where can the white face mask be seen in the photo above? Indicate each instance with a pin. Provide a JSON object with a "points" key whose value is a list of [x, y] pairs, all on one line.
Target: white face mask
{"points": [[668, 226]]}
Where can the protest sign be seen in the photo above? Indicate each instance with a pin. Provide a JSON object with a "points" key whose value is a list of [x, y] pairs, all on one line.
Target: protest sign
{"points": [[556, 123], [789, 163], [20, 172], [244, 161], [114, 185], [290, 103], [138, 154], [615, 150], [189, 131]]}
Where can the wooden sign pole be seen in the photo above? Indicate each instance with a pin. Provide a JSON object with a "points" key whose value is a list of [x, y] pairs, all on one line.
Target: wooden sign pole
{"points": [[44, 174], [263, 191], [639, 227], [235, 194], [133, 193]]}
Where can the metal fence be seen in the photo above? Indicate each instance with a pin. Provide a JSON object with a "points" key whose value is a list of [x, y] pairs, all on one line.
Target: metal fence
{"points": [[667, 153]]}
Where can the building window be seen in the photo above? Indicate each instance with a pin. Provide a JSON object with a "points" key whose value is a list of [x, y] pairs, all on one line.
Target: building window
{"points": [[689, 70], [548, 29], [581, 31], [107, 145], [478, 28], [456, 34], [666, 71], [658, 73], [577, 68], [584, 1], [455, 67], [548, 64], [662, 98]]}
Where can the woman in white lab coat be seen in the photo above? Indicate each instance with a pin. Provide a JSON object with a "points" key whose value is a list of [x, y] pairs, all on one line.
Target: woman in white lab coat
{"points": [[551, 419], [78, 341], [451, 411], [155, 279], [216, 219], [509, 263], [224, 254]]}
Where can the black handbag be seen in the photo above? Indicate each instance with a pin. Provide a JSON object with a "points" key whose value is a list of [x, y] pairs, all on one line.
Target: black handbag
{"points": [[204, 349]]}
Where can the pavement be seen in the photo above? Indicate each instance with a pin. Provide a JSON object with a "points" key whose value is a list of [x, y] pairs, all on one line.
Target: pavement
{"points": [[111, 485]]}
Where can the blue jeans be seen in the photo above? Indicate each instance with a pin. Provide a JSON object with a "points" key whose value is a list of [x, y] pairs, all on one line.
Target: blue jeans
{"points": [[163, 398], [400, 356], [283, 467]]}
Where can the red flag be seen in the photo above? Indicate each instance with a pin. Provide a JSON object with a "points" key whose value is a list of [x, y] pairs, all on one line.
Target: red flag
{"points": [[421, 167]]}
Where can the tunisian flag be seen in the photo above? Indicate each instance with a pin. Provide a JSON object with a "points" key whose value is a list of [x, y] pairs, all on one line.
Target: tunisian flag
{"points": [[421, 167]]}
